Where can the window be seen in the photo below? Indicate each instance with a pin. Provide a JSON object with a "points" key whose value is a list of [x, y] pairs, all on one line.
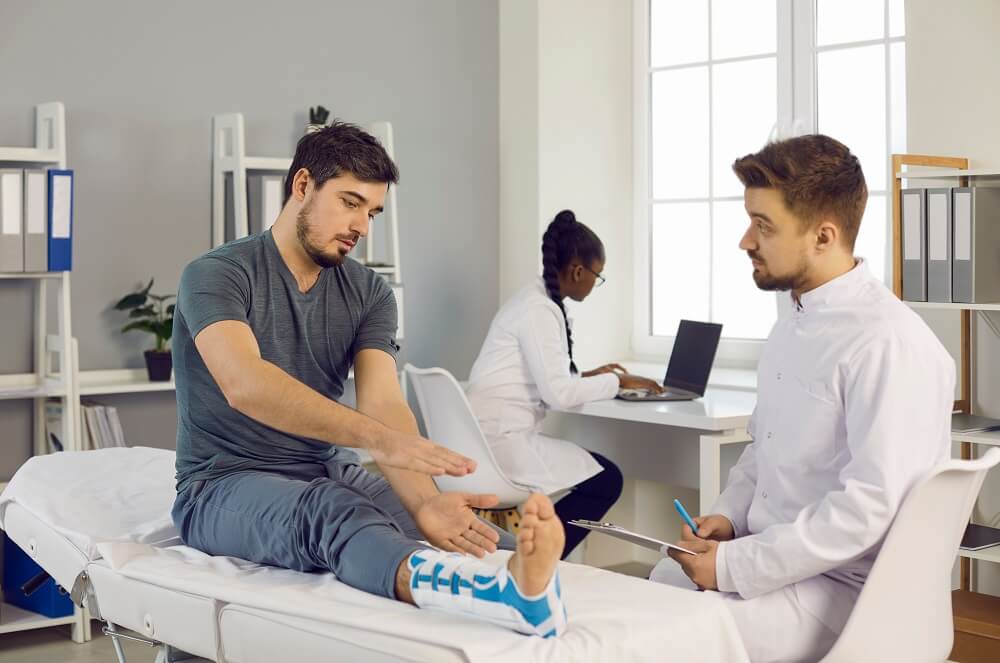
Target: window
{"points": [[715, 80]]}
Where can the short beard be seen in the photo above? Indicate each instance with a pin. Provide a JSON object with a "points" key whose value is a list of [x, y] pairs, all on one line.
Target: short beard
{"points": [[302, 227], [781, 283]]}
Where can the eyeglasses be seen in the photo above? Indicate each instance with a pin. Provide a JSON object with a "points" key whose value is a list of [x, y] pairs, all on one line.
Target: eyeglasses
{"points": [[600, 279]]}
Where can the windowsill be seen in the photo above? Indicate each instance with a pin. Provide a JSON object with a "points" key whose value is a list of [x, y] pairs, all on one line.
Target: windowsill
{"points": [[742, 379]]}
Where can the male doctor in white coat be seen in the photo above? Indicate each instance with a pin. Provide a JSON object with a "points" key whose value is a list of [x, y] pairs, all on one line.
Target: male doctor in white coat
{"points": [[854, 406]]}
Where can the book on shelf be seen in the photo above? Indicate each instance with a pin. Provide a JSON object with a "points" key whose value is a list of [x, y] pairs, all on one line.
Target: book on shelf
{"points": [[102, 427], [53, 425], [977, 537], [972, 423]]}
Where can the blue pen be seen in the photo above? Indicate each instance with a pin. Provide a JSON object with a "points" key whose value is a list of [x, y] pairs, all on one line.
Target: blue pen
{"points": [[684, 514]]}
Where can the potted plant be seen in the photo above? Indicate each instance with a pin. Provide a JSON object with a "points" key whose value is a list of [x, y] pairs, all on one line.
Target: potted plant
{"points": [[152, 314]]}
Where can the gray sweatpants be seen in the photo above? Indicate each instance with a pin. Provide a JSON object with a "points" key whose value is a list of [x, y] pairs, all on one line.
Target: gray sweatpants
{"points": [[307, 517]]}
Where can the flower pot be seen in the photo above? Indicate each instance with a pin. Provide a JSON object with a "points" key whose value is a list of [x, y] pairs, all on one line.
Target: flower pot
{"points": [[158, 365]]}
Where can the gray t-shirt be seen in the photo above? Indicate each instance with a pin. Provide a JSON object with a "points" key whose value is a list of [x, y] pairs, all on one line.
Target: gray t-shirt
{"points": [[312, 336]]}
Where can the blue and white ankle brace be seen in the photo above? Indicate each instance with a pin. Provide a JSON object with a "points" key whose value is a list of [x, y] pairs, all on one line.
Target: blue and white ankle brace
{"points": [[465, 585]]}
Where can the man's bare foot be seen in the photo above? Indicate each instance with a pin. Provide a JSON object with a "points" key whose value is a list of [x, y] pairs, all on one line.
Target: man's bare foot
{"points": [[540, 543]]}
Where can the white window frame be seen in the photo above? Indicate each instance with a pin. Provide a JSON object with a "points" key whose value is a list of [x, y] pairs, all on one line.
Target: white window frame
{"points": [[796, 115]]}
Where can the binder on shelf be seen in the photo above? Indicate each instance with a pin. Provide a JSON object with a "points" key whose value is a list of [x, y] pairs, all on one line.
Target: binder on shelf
{"points": [[976, 254], [60, 220], [11, 220], [229, 209], [397, 291], [939, 241], [914, 245], [264, 194], [36, 231]]}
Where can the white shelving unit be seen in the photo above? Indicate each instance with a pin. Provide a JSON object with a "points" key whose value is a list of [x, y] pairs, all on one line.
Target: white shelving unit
{"points": [[945, 173], [945, 168], [54, 368], [17, 619], [948, 306], [121, 381]]}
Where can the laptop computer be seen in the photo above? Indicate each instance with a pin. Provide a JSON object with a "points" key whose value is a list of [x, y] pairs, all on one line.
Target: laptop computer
{"points": [[689, 366]]}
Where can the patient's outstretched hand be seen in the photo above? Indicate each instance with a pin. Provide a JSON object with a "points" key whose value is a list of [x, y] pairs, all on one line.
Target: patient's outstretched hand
{"points": [[448, 522], [409, 451]]}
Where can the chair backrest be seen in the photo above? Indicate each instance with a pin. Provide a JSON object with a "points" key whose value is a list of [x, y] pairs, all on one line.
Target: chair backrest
{"points": [[904, 610], [449, 421]]}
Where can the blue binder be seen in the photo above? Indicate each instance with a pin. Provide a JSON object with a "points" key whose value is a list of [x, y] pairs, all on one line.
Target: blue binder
{"points": [[60, 220]]}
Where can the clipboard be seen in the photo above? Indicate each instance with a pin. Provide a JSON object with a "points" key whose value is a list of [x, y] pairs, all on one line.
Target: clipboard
{"points": [[631, 537]]}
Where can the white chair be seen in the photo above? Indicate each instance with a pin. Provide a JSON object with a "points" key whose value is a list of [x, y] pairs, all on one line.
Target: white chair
{"points": [[449, 421], [904, 610]]}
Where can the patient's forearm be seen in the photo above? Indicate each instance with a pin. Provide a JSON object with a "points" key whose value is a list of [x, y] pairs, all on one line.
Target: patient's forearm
{"points": [[273, 397], [411, 487]]}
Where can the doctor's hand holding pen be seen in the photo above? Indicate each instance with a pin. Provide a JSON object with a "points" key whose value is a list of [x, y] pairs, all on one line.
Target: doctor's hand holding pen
{"points": [[713, 527], [625, 379]]}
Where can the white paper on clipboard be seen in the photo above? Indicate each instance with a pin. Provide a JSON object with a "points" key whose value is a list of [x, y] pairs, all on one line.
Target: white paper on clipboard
{"points": [[631, 537]]}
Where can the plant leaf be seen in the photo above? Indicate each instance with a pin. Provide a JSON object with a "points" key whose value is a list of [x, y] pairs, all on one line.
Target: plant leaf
{"points": [[142, 312], [143, 325], [158, 298], [148, 287], [166, 329], [170, 311], [133, 300]]}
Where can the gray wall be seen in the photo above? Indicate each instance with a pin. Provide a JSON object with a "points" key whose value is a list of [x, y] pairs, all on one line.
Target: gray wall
{"points": [[141, 80]]}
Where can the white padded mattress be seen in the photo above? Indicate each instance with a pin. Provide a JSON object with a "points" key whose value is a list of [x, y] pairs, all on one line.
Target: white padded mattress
{"points": [[106, 520]]}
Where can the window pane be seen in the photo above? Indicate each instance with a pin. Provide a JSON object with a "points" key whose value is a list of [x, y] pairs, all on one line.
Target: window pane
{"points": [[678, 32], [679, 265], [744, 310], [872, 244], [679, 125], [743, 27], [851, 100], [841, 21], [897, 99], [744, 101], [897, 19]]}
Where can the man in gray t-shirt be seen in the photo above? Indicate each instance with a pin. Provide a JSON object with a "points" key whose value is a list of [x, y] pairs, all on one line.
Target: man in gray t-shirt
{"points": [[312, 336], [266, 329]]}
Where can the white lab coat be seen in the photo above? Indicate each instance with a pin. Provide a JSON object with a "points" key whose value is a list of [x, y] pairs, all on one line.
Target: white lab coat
{"points": [[521, 371], [854, 406]]}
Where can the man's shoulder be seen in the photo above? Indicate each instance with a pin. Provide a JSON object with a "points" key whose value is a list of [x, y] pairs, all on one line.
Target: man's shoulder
{"points": [[889, 322], [243, 251], [241, 255]]}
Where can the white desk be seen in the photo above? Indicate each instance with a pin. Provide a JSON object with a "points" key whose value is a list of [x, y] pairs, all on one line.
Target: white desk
{"points": [[723, 413]]}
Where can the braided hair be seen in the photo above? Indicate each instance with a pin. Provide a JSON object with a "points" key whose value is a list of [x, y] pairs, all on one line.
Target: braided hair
{"points": [[564, 241]]}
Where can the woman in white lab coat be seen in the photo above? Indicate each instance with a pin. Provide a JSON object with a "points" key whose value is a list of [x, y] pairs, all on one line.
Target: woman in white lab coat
{"points": [[526, 366]]}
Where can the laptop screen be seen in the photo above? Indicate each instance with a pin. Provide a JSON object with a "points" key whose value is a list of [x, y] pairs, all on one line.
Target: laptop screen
{"points": [[692, 356]]}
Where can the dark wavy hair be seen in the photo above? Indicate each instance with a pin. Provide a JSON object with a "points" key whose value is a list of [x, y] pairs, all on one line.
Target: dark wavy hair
{"points": [[564, 241]]}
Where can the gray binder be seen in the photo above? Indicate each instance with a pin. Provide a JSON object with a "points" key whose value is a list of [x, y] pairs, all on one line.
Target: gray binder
{"points": [[229, 209], [11, 220], [36, 221], [914, 245], [264, 194], [939, 240], [976, 255]]}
